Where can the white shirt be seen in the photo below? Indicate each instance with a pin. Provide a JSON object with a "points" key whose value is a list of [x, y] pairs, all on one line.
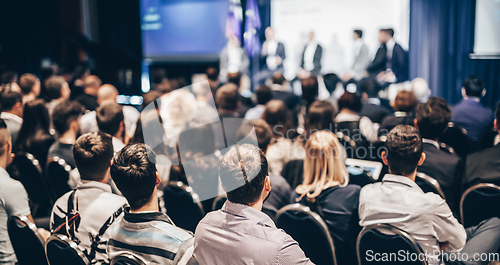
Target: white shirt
{"points": [[309, 55], [272, 47], [366, 126], [400, 202], [390, 47], [88, 122], [436, 144]]}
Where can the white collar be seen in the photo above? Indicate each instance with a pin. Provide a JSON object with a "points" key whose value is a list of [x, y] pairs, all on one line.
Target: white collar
{"points": [[374, 101], [8, 115], [429, 141]]}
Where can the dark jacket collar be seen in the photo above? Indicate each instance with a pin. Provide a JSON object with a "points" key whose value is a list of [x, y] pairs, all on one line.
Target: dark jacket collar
{"points": [[145, 217]]}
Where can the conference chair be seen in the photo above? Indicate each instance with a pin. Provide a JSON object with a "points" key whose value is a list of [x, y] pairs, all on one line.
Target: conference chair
{"points": [[27, 170], [488, 139], [456, 138], [359, 176], [384, 238], [219, 202], [478, 203], [183, 205], [58, 174], [428, 184], [126, 259], [62, 251], [309, 230], [28, 244]]}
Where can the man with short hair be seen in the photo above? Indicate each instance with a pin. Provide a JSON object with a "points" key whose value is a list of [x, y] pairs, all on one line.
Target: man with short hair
{"points": [[57, 90], [144, 232], [227, 100], [361, 57], [373, 107], [281, 91], [12, 112], [400, 202], [263, 95], [92, 199], [30, 87], [89, 96], [65, 118], [469, 113], [240, 233], [110, 120]]}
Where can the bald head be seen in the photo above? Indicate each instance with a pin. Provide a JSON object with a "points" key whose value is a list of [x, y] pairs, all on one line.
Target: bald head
{"points": [[106, 92]]}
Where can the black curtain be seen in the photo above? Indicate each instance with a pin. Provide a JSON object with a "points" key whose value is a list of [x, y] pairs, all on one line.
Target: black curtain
{"points": [[441, 39]]}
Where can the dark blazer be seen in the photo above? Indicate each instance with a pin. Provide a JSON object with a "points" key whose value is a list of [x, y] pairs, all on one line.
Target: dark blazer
{"points": [[379, 62], [393, 120], [317, 59], [447, 168], [280, 52], [482, 167], [473, 117], [398, 63], [376, 113], [290, 99]]}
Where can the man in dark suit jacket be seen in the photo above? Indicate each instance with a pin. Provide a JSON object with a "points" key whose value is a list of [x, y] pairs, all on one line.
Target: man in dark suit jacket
{"points": [[469, 113], [271, 57], [441, 163], [484, 166], [311, 56], [390, 55], [372, 108], [281, 91]]}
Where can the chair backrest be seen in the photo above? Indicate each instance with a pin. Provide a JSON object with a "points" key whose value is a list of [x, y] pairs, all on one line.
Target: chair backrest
{"points": [[383, 238], [478, 203], [62, 251], [456, 137], [359, 176], [183, 205], [126, 259], [309, 230], [219, 202], [428, 184], [28, 244], [58, 175]]}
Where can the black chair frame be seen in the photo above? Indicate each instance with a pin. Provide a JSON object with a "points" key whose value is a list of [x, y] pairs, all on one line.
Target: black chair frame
{"points": [[131, 259], [68, 242], [433, 182], [24, 221], [473, 188]]}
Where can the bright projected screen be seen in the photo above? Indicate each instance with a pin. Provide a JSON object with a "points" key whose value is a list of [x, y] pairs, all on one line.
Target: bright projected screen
{"points": [[487, 30], [333, 22], [179, 29]]}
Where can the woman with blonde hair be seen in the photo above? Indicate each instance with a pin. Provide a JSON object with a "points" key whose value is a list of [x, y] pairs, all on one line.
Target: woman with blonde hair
{"points": [[325, 189]]}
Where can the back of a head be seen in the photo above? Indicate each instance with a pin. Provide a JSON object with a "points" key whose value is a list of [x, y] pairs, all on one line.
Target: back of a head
{"points": [[433, 117], [243, 171], [359, 33], [109, 117], [310, 89], [212, 74], [389, 32], [8, 77], [36, 121], [157, 75], [263, 94], [93, 81], [64, 114], [331, 80], [405, 101], [278, 116], [4, 137], [9, 99], [134, 172], [93, 153], [370, 86], [54, 86], [473, 86], [27, 82], [263, 132], [107, 92], [227, 97], [350, 101], [404, 149], [278, 78], [420, 88], [234, 78], [320, 117]]}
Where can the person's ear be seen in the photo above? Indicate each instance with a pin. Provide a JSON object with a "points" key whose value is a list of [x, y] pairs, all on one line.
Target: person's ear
{"points": [[267, 184], [422, 159], [463, 92], [384, 158], [495, 124], [415, 124], [483, 92], [158, 179]]}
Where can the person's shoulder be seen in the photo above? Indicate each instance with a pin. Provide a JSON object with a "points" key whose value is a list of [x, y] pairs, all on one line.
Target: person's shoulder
{"points": [[486, 154]]}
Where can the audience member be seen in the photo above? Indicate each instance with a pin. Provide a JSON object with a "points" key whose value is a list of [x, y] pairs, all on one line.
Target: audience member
{"points": [[57, 90], [400, 202], [326, 191], [12, 112], [34, 136], [404, 105], [350, 123], [92, 199], [421, 89], [110, 120], [372, 108], [107, 94], [77, 82], [89, 96], [30, 87], [9, 82], [483, 166], [281, 91], [263, 95], [441, 163], [144, 231], [213, 79], [240, 232], [310, 89], [65, 118], [160, 82], [227, 101], [332, 82], [469, 113]]}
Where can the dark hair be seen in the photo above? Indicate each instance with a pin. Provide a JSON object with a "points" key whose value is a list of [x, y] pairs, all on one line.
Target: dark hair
{"points": [[389, 31], [243, 171], [351, 101], [27, 82], [64, 114], [263, 133], [309, 89], [278, 78], [278, 116], [9, 99], [109, 117], [405, 101], [92, 153], [331, 80], [234, 78], [134, 172], [370, 86], [497, 115], [149, 97], [433, 117], [157, 75], [36, 125], [263, 94], [319, 117], [8, 77], [404, 149], [54, 86], [473, 86], [359, 32], [212, 73], [227, 97]]}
